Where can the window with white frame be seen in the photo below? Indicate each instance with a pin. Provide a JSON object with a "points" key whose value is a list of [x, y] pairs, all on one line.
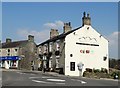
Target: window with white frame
{"points": [[40, 49], [50, 47], [57, 63], [58, 45], [45, 48]]}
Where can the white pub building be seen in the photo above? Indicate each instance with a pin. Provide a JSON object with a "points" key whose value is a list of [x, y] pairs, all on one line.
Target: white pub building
{"points": [[78, 49]]}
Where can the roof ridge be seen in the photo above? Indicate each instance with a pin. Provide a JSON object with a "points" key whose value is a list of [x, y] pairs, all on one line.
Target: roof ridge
{"points": [[59, 36], [16, 41]]}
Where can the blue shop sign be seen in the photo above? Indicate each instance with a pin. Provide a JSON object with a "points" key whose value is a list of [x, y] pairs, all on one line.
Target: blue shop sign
{"points": [[10, 58]]}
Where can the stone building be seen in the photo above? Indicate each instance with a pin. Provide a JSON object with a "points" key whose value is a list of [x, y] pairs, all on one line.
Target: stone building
{"points": [[75, 50], [18, 54]]}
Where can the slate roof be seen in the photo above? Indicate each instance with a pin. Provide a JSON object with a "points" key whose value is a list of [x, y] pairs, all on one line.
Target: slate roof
{"points": [[58, 37], [14, 44]]}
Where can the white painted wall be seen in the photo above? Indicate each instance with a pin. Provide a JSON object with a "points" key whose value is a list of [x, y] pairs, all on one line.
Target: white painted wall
{"points": [[91, 60]]}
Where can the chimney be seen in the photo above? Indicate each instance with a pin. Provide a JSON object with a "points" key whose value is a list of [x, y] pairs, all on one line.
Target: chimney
{"points": [[8, 40], [31, 38], [67, 27], [86, 20], [53, 33]]}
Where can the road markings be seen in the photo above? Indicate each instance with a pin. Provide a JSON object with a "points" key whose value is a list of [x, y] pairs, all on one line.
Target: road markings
{"points": [[32, 74], [83, 82], [33, 77], [46, 77], [59, 80], [60, 83], [38, 77], [41, 81], [20, 73], [76, 80], [47, 82]]}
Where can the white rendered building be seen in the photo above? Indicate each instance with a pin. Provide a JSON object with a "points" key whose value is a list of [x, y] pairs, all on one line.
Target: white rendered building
{"points": [[83, 48]]}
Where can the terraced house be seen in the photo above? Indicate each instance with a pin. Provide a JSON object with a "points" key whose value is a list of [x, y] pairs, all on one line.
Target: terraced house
{"points": [[18, 54], [75, 50]]}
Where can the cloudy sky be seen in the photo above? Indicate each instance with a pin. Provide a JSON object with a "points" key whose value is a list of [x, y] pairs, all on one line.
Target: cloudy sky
{"points": [[20, 19]]}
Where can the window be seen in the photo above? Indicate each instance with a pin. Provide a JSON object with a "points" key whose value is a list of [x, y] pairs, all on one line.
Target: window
{"points": [[45, 48], [87, 28], [71, 55], [57, 53], [72, 66], [8, 50], [58, 45], [16, 50], [50, 47], [104, 58], [57, 63]]}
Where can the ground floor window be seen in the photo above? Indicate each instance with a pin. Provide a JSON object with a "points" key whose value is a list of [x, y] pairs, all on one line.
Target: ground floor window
{"points": [[3, 63], [57, 63], [13, 63], [50, 63], [72, 66]]}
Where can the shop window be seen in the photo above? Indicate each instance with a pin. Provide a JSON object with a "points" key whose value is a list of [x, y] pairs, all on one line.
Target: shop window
{"points": [[8, 62], [72, 66], [104, 58]]}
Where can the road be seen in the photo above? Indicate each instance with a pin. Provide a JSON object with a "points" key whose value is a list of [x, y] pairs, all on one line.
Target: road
{"points": [[22, 78]]}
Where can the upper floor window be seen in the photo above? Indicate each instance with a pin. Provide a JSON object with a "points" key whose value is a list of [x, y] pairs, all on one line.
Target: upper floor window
{"points": [[45, 48], [16, 50], [104, 58], [40, 49], [8, 50], [50, 47], [58, 45]]}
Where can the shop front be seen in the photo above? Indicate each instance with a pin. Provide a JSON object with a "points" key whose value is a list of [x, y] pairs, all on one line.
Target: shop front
{"points": [[8, 62]]}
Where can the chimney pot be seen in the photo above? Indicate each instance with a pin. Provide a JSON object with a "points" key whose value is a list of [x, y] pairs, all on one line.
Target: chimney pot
{"points": [[67, 27], [30, 38], [86, 20], [53, 33], [8, 40]]}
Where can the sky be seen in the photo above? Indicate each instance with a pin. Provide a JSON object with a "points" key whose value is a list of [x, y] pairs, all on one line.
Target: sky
{"points": [[19, 19]]}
